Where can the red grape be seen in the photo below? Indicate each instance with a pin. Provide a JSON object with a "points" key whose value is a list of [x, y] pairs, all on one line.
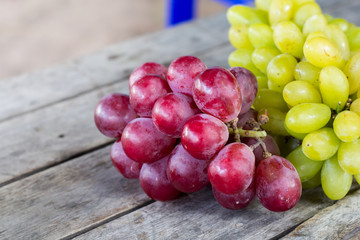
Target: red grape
{"points": [[171, 112], [238, 200], [112, 114], [186, 173], [182, 72], [248, 86], [145, 92], [155, 183], [216, 92], [278, 185], [232, 169], [127, 167], [203, 136], [145, 69], [144, 143], [270, 144]]}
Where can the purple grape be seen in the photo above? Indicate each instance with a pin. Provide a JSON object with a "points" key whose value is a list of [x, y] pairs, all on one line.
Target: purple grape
{"points": [[270, 144]]}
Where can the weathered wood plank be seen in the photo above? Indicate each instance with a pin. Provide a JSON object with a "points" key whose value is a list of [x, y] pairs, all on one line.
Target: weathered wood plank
{"points": [[66, 199], [199, 216], [340, 221], [39, 89], [53, 134]]}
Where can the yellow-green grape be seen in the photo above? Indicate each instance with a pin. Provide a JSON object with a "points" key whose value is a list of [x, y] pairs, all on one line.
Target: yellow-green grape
{"points": [[313, 182], [357, 178], [338, 37], [354, 52], [263, 15], [305, 167], [280, 10], [349, 157], [263, 4], [347, 126], [321, 144], [315, 23], [238, 37], [288, 38], [280, 69], [355, 106], [358, 94], [242, 58], [262, 56], [305, 11], [298, 3], [275, 124], [328, 17], [334, 87], [352, 71], [305, 71], [297, 92], [239, 14], [321, 52], [335, 181], [353, 34], [261, 35], [262, 81], [266, 98], [307, 117], [341, 23], [295, 134], [316, 34], [275, 87]]}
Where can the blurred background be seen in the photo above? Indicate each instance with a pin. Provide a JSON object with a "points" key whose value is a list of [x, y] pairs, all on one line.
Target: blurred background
{"points": [[40, 33]]}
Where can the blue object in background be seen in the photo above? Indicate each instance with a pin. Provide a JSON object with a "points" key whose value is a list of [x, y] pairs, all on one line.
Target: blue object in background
{"points": [[178, 11]]}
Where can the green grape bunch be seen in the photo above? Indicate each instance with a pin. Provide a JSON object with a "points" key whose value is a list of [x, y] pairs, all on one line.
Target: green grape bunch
{"points": [[307, 64]]}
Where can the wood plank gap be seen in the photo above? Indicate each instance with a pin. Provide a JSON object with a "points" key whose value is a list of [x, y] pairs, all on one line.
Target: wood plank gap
{"points": [[40, 169], [286, 232], [116, 216]]}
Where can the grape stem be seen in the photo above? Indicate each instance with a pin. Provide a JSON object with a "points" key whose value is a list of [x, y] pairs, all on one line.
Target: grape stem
{"points": [[249, 133], [235, 129]]}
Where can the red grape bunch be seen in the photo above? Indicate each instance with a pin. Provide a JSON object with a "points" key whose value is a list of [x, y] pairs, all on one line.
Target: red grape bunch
{"points": [[187, 126]]}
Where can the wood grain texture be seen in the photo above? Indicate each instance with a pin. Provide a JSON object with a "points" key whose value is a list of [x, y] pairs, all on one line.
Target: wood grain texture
{"points": [[66, 199], [53, 134], [340, 221], [43, 88], [199, 216]]}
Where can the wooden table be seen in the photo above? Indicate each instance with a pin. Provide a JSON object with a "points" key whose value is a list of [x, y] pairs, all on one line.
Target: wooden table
{"points": [[57, 181]]}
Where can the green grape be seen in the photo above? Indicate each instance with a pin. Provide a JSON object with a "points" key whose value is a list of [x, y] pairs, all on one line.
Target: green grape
{"points": [[263, 15], [357, 178], [307, 117], [305, 71], [321, 144], [280, 10], [288, 38], [266, 98], [354, 52], [338, 37], [355, 106], [280, 69], [275, 124], [298, 3], [334, 87], [358, 93], [262, 56], [238, 37], [261, 35], [263, 4], [239, 14], [262, 81], [347, 126], [341, 23], [349, 157], [353, 34], [316, 34], [297, 92], [305, 11], [275, 87], [286, 144], [296, 135], [305, 167], [335, 181], [329, 17], [315, 23], [242, 58], [321, 52], [313, 182], [352, 71]]}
